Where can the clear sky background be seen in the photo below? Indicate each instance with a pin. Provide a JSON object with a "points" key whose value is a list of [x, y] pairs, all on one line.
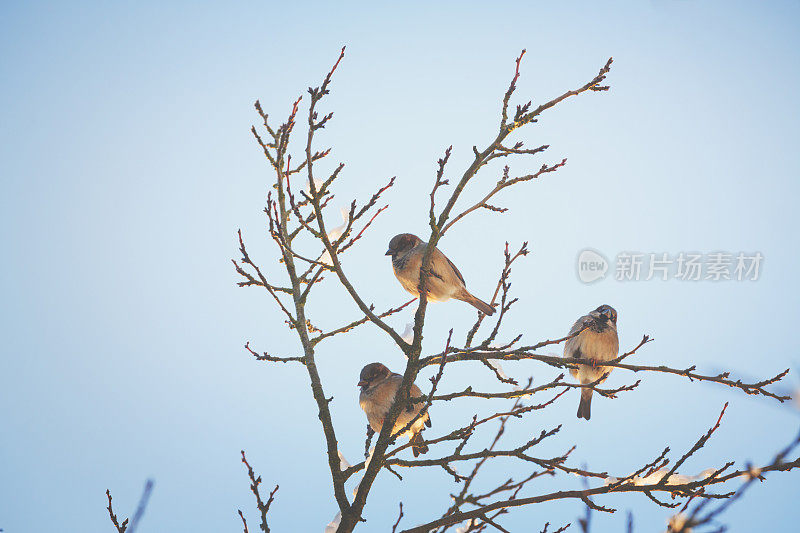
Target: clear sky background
{"points": [[127, 166]]}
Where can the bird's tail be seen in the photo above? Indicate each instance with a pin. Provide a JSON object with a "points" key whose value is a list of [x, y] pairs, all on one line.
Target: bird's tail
{"points": [[477, 303], [585, 407], [418, 445]]}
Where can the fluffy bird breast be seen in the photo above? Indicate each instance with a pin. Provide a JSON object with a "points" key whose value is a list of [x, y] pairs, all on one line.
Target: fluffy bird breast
{"points": [[601, 345], [377, 401]]}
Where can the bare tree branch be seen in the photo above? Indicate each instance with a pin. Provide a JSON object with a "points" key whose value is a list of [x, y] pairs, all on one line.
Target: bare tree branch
{"points": [[309, 248], [263, 507]]}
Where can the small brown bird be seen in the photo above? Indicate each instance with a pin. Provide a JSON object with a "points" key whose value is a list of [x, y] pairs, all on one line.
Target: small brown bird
{"points": [[379, 385], [444, 282], [598, 342]]}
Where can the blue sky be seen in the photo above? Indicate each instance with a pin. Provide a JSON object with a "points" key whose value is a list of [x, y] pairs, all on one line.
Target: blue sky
{"points": [[127, 167]]}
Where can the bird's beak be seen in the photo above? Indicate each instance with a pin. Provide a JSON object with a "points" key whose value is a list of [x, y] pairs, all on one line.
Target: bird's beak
{"points": [[388, 252], [362, 383]]}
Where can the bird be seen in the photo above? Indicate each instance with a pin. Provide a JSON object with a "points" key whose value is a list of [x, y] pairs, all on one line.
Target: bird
{"points": [[597, 341], [379, 385], [444, 282]]}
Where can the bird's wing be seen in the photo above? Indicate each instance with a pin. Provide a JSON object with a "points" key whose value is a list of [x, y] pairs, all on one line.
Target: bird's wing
{"points": [[572, 348], [394, 380], [576, 352], [413, 393], [581, 323], [440, 275], [384, 394], [416, 406], [458, 273]]}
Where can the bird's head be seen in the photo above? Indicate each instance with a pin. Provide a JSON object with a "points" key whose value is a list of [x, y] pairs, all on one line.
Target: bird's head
{"points": [[606, 313], [402, 243], [372, 374]]}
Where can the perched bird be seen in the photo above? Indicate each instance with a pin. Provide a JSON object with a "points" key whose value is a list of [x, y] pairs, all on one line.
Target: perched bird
{"points": [[599, 342], [444, 282], [379, 386]]}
